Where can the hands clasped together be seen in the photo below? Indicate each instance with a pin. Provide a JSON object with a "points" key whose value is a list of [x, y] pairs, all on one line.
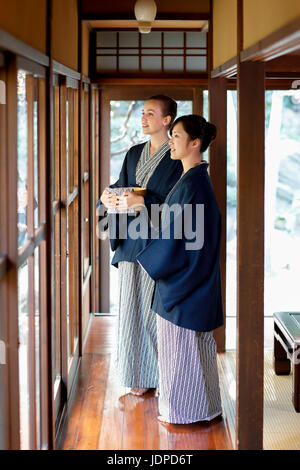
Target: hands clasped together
{"points": [[122, 202]]}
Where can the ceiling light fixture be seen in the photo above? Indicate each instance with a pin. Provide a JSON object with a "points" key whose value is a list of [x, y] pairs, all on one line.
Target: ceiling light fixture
{"points": [[145, 12]]}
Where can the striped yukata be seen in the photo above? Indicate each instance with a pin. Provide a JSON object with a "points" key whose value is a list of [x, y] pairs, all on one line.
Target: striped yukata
{"points": [[188, 374], [136, 357]]}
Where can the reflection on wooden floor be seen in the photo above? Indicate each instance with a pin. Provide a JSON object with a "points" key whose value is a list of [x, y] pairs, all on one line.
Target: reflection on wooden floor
{"points": [[104, 416]]}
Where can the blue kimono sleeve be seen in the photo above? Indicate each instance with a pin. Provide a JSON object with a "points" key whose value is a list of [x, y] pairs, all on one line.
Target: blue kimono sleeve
{"points": [[180, 271], [101, 210], [162, 257]]}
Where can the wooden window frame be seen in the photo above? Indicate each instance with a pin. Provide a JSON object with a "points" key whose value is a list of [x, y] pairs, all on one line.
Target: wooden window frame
{"points": [[160, 53]]}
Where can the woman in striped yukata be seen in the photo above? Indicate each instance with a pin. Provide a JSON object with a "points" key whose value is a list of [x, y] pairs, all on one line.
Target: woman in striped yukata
{"points": [[146, 165], [184, 262]]}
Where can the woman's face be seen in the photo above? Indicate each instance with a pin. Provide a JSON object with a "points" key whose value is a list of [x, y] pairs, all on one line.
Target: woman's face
{"points": [[180, 142], [153, 120]]}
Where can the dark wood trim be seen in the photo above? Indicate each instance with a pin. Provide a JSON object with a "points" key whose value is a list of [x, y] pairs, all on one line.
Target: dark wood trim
{"points": [[285, 67], [159, 16], [198, 100], [283, 41], [240, 25], [16, 46], [228, 69], [64, 70], [218, 175], [143, 92], [3, 265], [165, 81], [250, 256], [55, 207], [158, 29], [279, 83]]}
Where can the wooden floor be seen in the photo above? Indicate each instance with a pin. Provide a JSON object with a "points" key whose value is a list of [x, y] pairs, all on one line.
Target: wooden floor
{"points": [[104, 415]]}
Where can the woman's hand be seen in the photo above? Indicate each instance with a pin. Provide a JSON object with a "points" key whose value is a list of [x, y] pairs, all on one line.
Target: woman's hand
{"points": [[109, 199], [129, 200]]}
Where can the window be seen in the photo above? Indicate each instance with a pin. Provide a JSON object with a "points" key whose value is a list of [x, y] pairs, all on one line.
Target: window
{"points": [[168, 52]]}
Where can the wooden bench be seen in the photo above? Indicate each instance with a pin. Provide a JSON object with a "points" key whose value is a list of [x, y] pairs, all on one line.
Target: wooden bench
{"points": [[287, 349]]}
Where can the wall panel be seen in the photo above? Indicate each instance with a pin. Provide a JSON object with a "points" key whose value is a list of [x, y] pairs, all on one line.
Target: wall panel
{"points": [[26, 20], [224, 31], [65, 32], [263, 17]]}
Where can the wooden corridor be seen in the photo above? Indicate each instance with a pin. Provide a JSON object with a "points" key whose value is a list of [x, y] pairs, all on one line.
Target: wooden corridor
{"points": [[103, 416]]}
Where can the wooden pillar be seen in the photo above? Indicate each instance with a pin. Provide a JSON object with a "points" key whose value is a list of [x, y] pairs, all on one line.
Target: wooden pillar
{"points": [[250, 255], [218, 174], [49, 225]]}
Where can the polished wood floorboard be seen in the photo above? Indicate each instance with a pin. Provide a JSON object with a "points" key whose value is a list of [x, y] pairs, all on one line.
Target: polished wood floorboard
{"points": [[104, 415]]}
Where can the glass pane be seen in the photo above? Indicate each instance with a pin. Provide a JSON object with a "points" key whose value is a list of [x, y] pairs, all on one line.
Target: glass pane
{"points": [[37, 345], [173, 39], [125, 130], [152, 39], [152, 64], [282, 203], [174, 64], [106, 39], [195, 64], [195, 51], [196, 39], [205, 155], [128, 64], [129, 39], [231, 239], [23, 355], [151, 51], [22, 158], [129, 51], [108, 63]]}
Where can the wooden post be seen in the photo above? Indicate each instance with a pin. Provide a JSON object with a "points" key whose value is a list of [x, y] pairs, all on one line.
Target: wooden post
{"points": [[218, 175], [50, 436], [250, 255]]}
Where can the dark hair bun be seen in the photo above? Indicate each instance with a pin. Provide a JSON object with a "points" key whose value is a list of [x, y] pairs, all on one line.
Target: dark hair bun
{"points": [[197, 127], [210, 132]]}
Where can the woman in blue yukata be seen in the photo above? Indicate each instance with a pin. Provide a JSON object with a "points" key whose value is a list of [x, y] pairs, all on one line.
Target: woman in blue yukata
{"points": [[184, 261], [146, 165]]}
